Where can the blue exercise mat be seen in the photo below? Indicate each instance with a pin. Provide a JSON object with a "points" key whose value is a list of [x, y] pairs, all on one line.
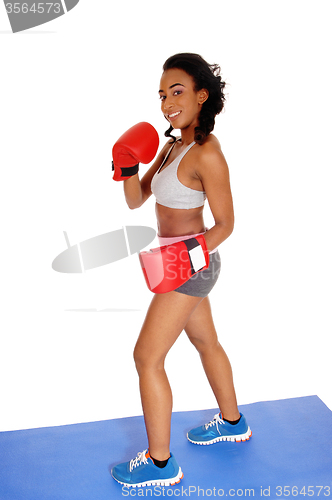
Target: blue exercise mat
{"points": [[289, 455]]}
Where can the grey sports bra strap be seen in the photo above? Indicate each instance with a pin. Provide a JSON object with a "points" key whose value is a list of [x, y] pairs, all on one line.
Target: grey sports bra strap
{"points": [[166, 157]]}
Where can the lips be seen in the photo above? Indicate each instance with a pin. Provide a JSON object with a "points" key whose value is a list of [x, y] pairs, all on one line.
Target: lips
{"points": [[173, 116]]}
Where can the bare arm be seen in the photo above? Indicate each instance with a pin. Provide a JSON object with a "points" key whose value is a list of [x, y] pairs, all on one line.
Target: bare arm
{"points": [[214, 175], [138, 191]]}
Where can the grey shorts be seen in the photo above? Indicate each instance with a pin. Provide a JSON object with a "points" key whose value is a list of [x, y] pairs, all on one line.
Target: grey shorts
{"points": [[201, 284]]}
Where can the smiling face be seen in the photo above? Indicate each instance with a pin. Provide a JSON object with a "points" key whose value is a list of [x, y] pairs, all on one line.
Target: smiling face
{"points": [[180, 103]]}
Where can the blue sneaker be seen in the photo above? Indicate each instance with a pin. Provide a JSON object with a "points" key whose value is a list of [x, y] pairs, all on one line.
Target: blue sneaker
{"points": [[141, 471], [219, 430]]}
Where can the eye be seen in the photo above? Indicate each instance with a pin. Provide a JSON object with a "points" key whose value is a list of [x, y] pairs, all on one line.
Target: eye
{"points": [[177, 92], [162, 97]]}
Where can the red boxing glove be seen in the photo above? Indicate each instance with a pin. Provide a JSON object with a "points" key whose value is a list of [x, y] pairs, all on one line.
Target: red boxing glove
{"points": [[138, 145], [170, 266]]}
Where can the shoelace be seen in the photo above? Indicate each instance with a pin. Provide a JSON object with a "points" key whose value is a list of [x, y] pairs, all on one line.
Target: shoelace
{"points": [[216, 420], [141, 458]]}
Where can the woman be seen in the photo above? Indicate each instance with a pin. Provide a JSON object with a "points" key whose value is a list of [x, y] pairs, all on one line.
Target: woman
{"points": [[186, 172]]}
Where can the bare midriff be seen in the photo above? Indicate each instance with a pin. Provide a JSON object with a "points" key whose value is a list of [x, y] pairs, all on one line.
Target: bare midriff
{"points": [[178, 221]]}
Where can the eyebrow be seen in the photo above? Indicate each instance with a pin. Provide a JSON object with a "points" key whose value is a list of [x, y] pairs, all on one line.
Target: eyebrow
{"points": [[174, 85]]}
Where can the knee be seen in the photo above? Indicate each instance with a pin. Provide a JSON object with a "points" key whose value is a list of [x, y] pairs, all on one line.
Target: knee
{"points": [[204, 345], [139, 358], [145, 360]]}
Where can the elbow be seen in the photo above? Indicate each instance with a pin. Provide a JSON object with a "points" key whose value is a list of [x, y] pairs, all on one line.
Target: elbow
{"points": [[131, 206], [226, 228], [132, 203], [136, 202], [228, 231], [231, 227], [229, 223]]}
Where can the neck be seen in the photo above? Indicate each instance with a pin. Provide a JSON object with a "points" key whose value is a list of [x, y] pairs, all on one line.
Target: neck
{"points": [[187, 136]]}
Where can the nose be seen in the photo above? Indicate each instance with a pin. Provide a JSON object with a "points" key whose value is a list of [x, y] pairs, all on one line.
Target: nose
{"points": [[167, 104]]}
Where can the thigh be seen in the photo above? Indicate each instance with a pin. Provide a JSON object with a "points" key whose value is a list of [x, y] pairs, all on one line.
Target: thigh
{"points": [[200, 326], [166, 318]]}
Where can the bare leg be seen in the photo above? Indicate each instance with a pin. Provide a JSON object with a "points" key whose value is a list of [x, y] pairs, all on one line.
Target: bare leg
{"points": [[202, 333], [166, 318]]}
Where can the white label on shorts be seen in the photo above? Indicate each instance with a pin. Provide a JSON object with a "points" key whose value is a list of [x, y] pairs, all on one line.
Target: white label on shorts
{"points": [[197, 258]]}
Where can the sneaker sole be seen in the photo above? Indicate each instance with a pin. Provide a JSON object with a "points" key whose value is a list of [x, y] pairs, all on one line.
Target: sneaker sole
{"points": [[237, 438], [154, 482]]}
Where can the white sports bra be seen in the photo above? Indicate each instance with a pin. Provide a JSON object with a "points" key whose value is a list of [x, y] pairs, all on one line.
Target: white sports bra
{"points": [[169, 191]]}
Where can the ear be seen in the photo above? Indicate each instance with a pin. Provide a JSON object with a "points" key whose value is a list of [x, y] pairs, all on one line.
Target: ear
{"points": [[203, 95]]}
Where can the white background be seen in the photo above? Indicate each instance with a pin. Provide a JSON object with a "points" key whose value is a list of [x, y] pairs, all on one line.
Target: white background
{"points": [[68, 90]]}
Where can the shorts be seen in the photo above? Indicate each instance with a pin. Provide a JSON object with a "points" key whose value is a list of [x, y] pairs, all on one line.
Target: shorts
{"points": [[201, 284]]}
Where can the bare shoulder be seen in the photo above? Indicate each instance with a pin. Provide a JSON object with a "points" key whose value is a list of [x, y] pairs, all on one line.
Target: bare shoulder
{"points": [[210, 157]]}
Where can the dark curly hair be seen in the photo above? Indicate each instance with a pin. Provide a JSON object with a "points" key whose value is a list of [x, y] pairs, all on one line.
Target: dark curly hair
{"points": [[205, 76]]}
